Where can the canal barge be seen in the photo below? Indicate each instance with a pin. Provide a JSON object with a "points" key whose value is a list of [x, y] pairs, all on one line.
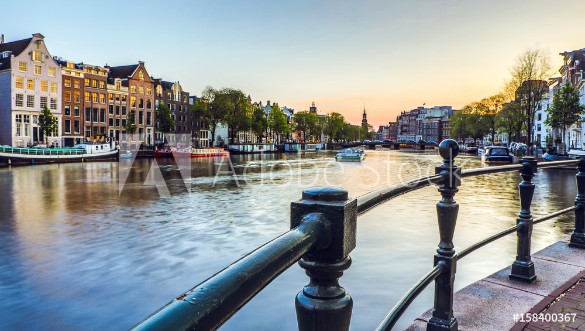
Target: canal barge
{"points": [[78, 153]]}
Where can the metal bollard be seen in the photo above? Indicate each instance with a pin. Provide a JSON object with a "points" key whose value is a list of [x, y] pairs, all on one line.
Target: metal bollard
{"points": [[523, 267], [323, 304], [447, 210], [578, 237]]}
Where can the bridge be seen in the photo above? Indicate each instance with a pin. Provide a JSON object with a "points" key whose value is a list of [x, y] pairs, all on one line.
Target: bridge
{"points": [[392, 145], [323, 234]]}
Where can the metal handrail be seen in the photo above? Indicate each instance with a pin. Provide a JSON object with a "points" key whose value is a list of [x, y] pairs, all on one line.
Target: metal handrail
{"points": [[398, 309], [375, 198], [209, 304]]}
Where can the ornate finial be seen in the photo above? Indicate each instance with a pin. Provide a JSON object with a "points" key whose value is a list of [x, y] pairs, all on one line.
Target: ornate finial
{"points": [[448, 149]]}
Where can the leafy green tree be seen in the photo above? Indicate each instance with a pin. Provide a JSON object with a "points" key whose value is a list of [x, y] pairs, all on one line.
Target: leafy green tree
{"points": [[131, 123], [277, 122], [510, 120], [237, 111], [305, 121], [164, 119], [211, 108], [333, 124], [565, 110], [48, 123], [259, 122]]}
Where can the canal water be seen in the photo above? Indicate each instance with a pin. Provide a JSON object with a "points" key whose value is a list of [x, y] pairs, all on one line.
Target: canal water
{"points": [[100, 246]]}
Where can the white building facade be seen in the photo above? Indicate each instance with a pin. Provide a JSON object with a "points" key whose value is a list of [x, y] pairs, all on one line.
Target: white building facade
{"points": [[29, 80]]}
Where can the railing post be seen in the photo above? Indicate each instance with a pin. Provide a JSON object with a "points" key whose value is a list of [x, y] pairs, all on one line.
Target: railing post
{"points": [[323, 304], [523, 268], [578, 237], [447, 210]]}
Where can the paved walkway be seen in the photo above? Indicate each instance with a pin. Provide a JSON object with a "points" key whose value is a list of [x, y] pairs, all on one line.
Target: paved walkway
{"points": [[557, 296], [565, 312]]}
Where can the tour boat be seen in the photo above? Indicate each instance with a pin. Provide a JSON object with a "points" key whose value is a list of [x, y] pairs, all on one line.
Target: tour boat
{"points": [[497, 154], [350, 155], [78, 153]]}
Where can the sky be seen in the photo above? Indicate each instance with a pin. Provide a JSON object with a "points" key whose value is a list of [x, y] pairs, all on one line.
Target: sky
{"points": [[386, 56]]}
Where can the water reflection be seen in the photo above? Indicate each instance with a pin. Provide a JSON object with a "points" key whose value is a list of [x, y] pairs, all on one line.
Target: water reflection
{"points": [[100, 249]]}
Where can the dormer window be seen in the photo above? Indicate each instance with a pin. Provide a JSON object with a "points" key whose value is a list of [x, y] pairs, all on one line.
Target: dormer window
{"points": [[141, 75]]}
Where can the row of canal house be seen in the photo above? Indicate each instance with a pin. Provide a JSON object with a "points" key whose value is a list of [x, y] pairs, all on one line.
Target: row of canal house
{"points": [[91, 102], [572, 73], [428, 124]]}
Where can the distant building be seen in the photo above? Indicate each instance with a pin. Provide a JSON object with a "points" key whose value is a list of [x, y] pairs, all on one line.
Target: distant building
{"points": [[95, 102], [141, 97], [72, 106], [172, 95], [428, 124], [393, 131], [30, 79], [365, 120], [200, 133]]}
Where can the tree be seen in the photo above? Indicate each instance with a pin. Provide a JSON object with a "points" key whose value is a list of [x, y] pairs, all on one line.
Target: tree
{"points": [[237, 111], [528, 82], [333, 125], [210, 108], [565, 110], [259, 122], [305, 121], [510, 120], [277, 121], [164, 119], [48, 123], [131, 123]]}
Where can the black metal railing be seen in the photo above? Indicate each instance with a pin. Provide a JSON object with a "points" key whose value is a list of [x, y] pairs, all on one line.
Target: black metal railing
{"points": [[323, 233]]}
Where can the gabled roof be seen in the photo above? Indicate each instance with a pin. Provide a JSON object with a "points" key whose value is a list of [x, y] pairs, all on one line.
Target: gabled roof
{"points": [[16, 47], [123, 71]]}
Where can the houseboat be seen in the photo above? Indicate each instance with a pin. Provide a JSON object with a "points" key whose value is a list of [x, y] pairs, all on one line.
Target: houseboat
{"points": [[251, 148], [78, 153]]}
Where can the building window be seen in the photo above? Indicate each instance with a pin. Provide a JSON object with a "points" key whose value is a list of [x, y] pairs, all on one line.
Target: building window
{"points": [[140, 117], [87, 97], [141, 103], [148, 104], [37, 56], [76, 111], [51, 71], [123, 123], [88, 114], [111, 97], [103, 115], [123, 110], [94, 97], [54, 87], [141, 76], [124, 98], [148, 91], [87, 82], [20, 82], [76, 96], [30, 101], [117, 85], [94, 115], [76, 127], [67, 95], [111, 121], [67, 82], [22, 66], [117, 110], [133, 101], [102, 84], [43, 102], [117, 122], [19, 100], [111, 109], [30, 84], [140, 90], [76, 83], [68, 110], [44, 86], [102, 98], [38, 69], [94, 83], [67, 124]]}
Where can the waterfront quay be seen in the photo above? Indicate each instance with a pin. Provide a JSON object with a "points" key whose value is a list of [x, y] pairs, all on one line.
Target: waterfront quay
{"points": [[102, 253]]}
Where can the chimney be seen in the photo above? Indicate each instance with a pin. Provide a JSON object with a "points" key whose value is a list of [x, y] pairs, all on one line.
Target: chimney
{"points": [[1, 38]]}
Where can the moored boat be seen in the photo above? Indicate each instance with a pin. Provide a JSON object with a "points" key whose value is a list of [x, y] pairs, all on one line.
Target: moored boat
{"points": [[350, 155], [78, 153], [554, 157], [208, 152], [497, 154]]}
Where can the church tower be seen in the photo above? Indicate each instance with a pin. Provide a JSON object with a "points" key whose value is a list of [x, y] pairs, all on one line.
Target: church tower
{"points": [[365, 120]]}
